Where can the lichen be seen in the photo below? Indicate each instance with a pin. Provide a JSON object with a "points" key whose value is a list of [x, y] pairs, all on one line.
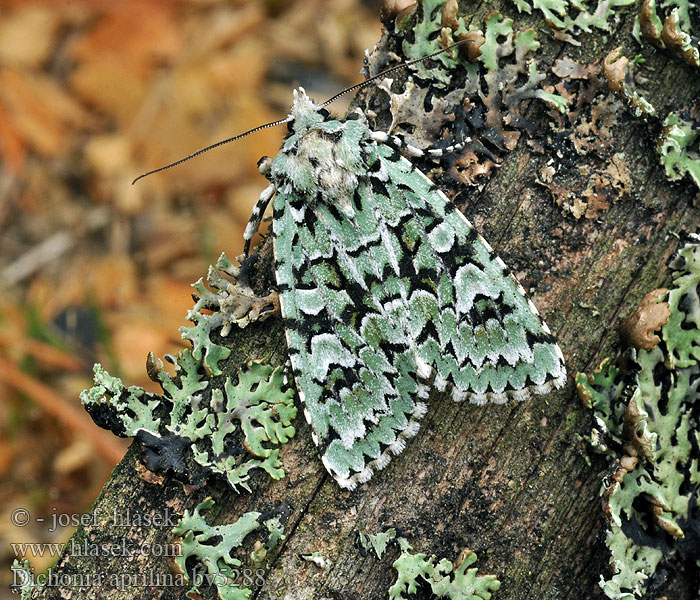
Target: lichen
{"points": [[316, 558], [229, 432], [573, 17], [259, 408], [441, 578], [645, 409], [377, 542], [229, 429], [216, 310], [470, 106], [124, 411], [638, 330], [674, 30], [620, 78], [583, 174], [679, 145], [215, 548], [23, 580]]}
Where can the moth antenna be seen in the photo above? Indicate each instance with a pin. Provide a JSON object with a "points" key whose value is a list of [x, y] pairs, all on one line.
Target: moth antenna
{"points": [[405, 65], [352, 88], [211, 147]]}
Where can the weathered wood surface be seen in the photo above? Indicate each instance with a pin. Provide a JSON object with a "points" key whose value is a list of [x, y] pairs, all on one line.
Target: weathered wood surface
{"points": [[509, 482]]}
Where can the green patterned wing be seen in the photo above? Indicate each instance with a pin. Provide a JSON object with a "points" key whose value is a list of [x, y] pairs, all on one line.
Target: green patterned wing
{"points": [[386, 289]]}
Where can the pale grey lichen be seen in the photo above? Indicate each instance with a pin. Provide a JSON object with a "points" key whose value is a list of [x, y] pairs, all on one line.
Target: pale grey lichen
{"points": [[316, 558], [571, 17], [225, 303], [469, 105], [679, 145], [216, 549], [645, 412], [441, 578]]}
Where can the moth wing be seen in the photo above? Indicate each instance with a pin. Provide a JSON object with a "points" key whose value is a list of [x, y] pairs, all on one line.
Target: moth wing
{"points": [[381, 298], [353, 368], [468, 318]]}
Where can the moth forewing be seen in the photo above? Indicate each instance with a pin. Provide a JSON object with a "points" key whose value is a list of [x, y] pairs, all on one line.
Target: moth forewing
{"points": [[385, 287]]}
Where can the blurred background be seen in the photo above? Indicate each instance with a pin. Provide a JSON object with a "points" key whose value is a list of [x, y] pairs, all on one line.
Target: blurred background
{"points": [[92, 269]]}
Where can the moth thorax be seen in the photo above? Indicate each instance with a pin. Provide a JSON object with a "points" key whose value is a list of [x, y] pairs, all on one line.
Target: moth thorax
{"points": [[331, 173]]}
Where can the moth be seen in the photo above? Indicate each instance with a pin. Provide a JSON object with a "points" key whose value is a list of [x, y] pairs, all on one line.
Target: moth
{"points": [[386, 291]]}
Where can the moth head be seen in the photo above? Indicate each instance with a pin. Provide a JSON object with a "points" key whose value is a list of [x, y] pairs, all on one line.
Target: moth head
{"points": [[305, 112]]}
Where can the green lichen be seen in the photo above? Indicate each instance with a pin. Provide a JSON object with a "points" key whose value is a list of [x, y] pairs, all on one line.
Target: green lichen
{"points": [[230, 432], [442, 578], [475, 96], [258, 407], [682, 334], [23, 580], [377, 541], [574, 16], [495, 45], [679, 145], [425, 41], [645, 414], [215, 547], [224, 303], [125, 411]]}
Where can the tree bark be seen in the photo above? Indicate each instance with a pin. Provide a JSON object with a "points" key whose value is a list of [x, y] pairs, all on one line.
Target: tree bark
{"points": [[510, 482]]}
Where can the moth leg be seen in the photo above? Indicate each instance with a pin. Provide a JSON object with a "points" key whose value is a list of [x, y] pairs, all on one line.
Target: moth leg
{"points": [[259, 209], [411, 151], [235, 300]]}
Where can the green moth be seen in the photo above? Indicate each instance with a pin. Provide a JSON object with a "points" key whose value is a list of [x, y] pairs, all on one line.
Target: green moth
{"points": [[386, 291]]}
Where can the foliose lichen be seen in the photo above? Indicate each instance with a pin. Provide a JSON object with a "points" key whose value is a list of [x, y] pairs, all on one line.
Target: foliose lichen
{"points": [[571, 17], [645, 409], [229, 429], [316, 558], [226, 302], [469, 106], [679, 145], [441, 578], [584, 173], [672, 26], [620, 78], [215, 548], [23, 580]]}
